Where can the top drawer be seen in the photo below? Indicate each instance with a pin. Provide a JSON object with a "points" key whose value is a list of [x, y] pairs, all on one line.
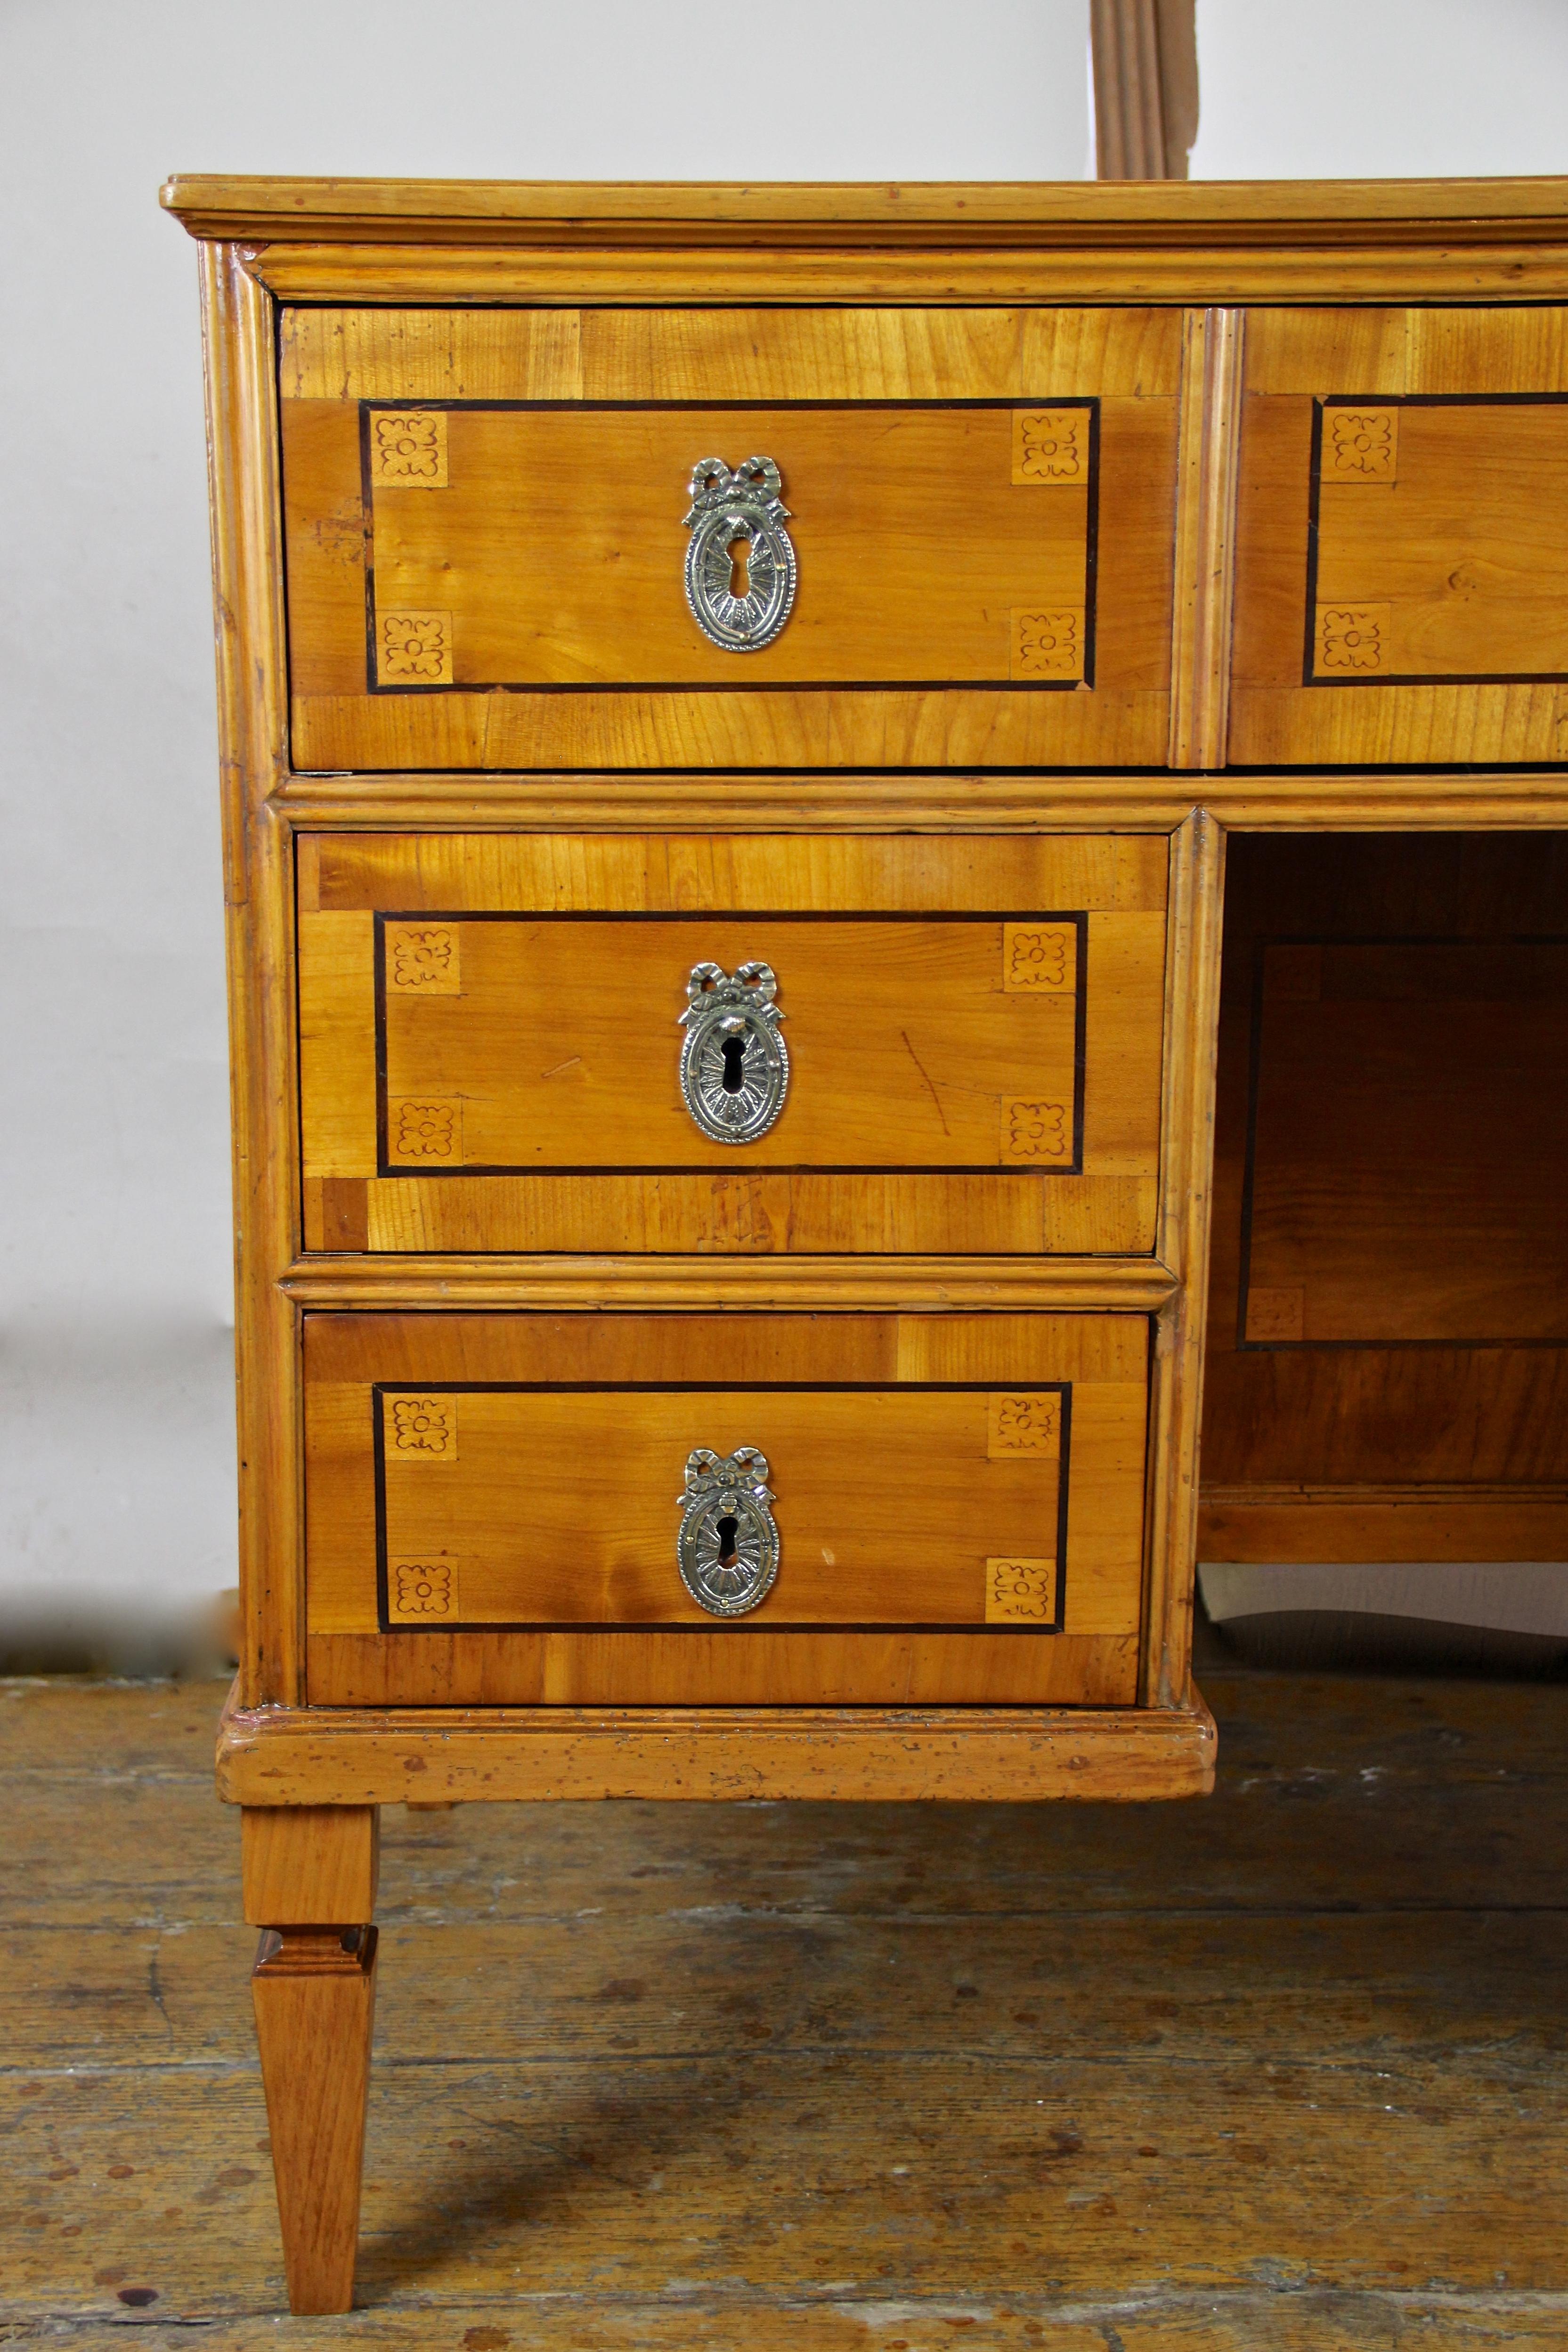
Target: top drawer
{"points": [[488, 516], [1402, 567]]}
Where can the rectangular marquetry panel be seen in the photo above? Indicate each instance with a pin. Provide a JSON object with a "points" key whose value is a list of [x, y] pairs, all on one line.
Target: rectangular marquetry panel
{"points": [[491, 1038], [1387, 1360], [1402, 583], [494, 1501], [486, 534]]}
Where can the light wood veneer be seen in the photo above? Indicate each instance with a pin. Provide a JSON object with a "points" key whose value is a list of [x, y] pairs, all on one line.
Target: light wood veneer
{"points": [[1299, 576]]}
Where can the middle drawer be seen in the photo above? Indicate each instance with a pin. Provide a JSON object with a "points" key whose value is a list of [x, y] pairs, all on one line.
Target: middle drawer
{"points": [[597, 1044]]}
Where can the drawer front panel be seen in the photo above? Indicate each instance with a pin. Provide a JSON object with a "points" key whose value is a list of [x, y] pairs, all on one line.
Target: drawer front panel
{"points": [[492, 1042], [494, 1503], [487, 526], [1401, 577]]}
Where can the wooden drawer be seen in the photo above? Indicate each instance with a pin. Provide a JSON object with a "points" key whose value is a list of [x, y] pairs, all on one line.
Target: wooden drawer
{"points": [[1401, 571], [491, 1038], [486, 533], [493, 1502]]}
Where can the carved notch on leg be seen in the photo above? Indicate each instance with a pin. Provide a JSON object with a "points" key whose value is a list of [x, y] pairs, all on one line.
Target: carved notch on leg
{"points": [[314, 1990]]}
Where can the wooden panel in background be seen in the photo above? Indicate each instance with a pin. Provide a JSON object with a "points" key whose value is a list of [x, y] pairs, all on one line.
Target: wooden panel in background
{"points": [[1407, 1142], [1405, 1203], [912, 1457]]}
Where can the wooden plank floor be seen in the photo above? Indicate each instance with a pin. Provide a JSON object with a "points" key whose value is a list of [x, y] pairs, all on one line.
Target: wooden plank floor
{"points": [[1283, 2072]]}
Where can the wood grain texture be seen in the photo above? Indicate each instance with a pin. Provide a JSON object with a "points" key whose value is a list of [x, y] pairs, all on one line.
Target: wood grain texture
{"points": [[337, 984], [593, 871], [1432, 1214], [1423, 568], [508, 1530], [1460, 1521], [1446, 532], [919, 300], [311, 1866], [1206, 461], [1408, 1401], [1388, 266], [908, 1043], [1144, 62], [237, 342], [775, 728], [556, 546], [857, 478], [1344, 801], [427, 241], [1193, 982], [606, 212], [315, 2009], [762, 1215], [748, 1285], [769, 2010], [343, 355], [991, 1668], [539, 1510], [288, 1757], [892, 1031]]}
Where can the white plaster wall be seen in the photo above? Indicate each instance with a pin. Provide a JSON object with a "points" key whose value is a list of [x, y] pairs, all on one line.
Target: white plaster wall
{"points": [[1345, 89], [115, 1447], [116, 1451]]}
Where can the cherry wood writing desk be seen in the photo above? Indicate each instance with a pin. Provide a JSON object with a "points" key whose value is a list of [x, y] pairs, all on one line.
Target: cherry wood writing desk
{"points": [[734, 702]]}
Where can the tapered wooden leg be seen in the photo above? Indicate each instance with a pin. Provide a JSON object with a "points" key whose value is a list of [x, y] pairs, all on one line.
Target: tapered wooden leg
{"points": [[307, 1870]]}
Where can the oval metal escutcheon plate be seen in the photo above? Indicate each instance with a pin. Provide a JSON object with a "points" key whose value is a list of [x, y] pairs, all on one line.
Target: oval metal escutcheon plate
{"points": [[728, 1548], [734, 1065], [740, 563]]}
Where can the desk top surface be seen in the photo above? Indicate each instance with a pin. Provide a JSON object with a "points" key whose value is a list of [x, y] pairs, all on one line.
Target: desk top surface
{"points": [[931, 212]]}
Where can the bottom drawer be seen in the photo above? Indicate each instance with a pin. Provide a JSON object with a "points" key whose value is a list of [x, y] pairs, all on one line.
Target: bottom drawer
{"points": [[662, 1511]]}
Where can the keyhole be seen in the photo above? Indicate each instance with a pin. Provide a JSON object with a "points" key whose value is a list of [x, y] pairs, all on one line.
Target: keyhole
{"points": [[739, 568], [734, 1061], [727, 1531]]}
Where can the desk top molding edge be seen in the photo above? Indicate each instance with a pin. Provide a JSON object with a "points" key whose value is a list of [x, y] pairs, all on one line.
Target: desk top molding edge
{"points": [[1205, 241]]}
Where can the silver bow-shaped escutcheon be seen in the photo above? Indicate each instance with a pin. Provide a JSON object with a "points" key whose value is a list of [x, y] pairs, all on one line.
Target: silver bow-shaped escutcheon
{"points": [[734, 1065], [740, 563], [728, 1548]]}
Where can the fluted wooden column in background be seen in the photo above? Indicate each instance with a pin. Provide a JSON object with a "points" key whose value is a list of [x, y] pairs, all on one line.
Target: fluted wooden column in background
{"points": [[1145, 88]]}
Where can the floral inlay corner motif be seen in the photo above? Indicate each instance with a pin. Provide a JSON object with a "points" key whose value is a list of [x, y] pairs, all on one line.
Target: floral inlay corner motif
{"points": [[1276, 1313], [1039, 956], [423, 960], [421, 1428], [1352, 638], [1020, 1592], [408, 449], [1360, 444], [413, 649], [1030, 1424], [420, 1130], [1051, 444], [1042, 1131], [1047, 644], [420, 1589]]}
